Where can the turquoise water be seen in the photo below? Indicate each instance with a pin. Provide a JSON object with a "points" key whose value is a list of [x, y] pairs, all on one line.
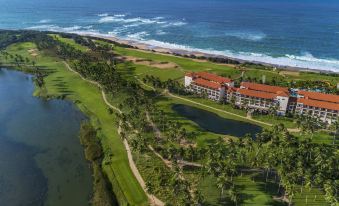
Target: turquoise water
{"points": [[214, 123], [41, 159], [302, 33]]}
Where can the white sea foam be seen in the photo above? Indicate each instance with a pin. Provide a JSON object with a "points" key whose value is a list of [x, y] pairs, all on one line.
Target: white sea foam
{"points": [[305, 60], [106, 19], [138, 21], [44, 21], [160, 32], [302, 61], [159, 18], [247, 35], [55, 28], [103, 15], [120, 15], [138, 35], [174, 24]]}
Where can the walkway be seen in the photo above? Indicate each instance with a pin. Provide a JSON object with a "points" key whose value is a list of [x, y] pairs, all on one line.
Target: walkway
{"points": [[153, 199], [216, 109]]}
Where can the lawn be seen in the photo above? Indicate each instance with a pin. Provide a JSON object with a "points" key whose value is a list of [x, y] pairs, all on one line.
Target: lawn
{"points": [[70, 42], [251, 188], [319, 137], [188, 64], [62, 82], [142, 70], [88, 98], [184, 63]]}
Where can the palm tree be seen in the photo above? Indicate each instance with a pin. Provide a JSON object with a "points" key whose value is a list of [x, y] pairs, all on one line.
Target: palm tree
{"points": [[198, 198], [150, 187], [222, 183], [335, 126], [233, 194]]}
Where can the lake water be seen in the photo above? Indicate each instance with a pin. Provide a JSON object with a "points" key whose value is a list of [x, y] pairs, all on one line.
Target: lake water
{"points": [[41, 159], [214, 123], [303, 33]]}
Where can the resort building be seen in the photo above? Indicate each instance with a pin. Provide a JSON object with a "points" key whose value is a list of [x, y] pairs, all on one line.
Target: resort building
{"points": [[320, 105], [211, 85], [262, 97]]}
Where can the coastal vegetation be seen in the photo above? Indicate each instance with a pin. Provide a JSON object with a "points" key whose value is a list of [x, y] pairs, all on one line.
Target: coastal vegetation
{"points": [[181, 163], [94, 154]]}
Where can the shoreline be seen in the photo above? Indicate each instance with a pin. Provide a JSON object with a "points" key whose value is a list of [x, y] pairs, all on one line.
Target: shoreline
{"points": [[195, 54]]}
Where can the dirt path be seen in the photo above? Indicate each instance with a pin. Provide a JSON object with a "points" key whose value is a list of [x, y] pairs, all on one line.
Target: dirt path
{"points": [[153, 199]]}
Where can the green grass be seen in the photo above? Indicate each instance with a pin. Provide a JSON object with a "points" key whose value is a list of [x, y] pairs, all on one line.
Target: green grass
{"points": [[88, 98], [143, 70], [252, 192], [70, 42], [288, 122], [151, 168], [187, 64], [184, 63], [131, 69], [315, 197], [202, 136], [319, 137], [63, 82]]}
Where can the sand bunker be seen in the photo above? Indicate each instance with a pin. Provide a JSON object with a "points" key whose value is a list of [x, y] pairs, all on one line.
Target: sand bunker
{"points": [[290, 73], [33, 52], [148, 62]]}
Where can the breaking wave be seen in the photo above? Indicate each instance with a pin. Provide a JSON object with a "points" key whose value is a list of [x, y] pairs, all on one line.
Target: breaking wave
{"points": [[44, 21], [55, 28], [249, 35], [137, 21], [305, 60]]}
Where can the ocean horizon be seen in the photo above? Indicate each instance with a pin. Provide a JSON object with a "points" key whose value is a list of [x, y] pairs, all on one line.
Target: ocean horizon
{"points": [[302, 33]]}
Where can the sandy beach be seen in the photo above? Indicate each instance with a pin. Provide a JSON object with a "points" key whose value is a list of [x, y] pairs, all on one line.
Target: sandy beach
{"points": [[197, 54]]}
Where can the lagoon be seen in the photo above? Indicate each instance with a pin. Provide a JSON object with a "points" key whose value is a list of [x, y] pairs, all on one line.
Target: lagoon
{"points": [[41, 159], [214, 123]]}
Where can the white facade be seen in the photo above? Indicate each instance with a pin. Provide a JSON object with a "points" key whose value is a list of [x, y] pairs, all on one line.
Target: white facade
{"points": [[230, 84], [326, 115], [213, 94], [283, 104], [262, 104], [188, 81], [253, 102]]}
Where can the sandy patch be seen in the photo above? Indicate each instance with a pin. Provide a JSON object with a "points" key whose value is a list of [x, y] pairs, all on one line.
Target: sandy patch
{"points": [[148, 62], [33, 52], [290, 73], [186, 144]]}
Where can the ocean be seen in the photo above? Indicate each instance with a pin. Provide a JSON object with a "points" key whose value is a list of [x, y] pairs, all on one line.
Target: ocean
{"points": [[297, 33]]}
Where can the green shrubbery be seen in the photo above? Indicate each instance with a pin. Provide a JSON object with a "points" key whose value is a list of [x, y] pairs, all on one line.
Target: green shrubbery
{"points": [[93, 153]]}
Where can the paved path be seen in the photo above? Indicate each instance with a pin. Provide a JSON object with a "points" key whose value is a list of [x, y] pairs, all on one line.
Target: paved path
{"points": [[167, 162], [153, 199], [216, 109]]}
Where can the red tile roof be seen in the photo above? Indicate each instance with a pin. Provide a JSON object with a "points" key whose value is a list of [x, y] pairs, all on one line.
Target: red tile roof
{"points": [[259, 94], [208, 84], [265, 88], [209, 77], [320, 96], [189, 74], [232, 89], [213, 77], [320, 104]]}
